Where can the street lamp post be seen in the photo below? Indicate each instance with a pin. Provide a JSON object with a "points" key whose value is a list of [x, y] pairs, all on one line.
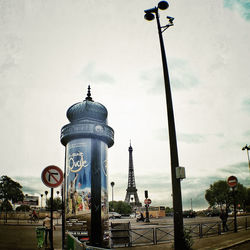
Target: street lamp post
{"points": [[46, 193], [41, 200], [112, 185], [179, 242], [132, 204], [247, 148], [146, 206]]}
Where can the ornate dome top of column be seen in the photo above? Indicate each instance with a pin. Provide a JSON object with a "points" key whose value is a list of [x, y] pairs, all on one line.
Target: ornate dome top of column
{"points": [[87, 109], [88, 119]]}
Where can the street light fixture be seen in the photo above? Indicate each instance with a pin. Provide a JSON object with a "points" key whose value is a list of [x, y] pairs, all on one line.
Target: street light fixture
{"points": [[41, 200], [46, 193], [179, 242], [112, 185], [247, 148]]}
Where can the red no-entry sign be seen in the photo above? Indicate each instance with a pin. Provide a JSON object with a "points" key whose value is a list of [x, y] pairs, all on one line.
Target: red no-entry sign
{"points": [[232, 181], [147, 201], [52, 176]]}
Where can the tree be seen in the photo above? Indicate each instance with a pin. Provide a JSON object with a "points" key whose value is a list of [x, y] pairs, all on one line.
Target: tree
{"points": [[57, 203], [6, 206], [9, 191], [120, 207], [23, 208], [219, 194], [241, 195], [247, 204], [169, 210]]}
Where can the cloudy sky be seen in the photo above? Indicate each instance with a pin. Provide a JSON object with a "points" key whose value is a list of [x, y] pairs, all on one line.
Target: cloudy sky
{"points": [[51, 50]]}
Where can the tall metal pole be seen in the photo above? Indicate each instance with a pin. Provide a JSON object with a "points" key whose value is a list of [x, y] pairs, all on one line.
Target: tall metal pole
{"points": [[46, 193], [51, 219], [248, 159], [179, 242], [146, 206], [235, 211], [247, 148], [41, 200], [112, 185], [63, 201], [63, 214]]}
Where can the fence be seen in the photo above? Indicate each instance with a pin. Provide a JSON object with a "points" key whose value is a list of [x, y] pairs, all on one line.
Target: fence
{"points": [[14, 217], [158, 234], [120, 233], [74, 244], [164, 234], [142, 236]]}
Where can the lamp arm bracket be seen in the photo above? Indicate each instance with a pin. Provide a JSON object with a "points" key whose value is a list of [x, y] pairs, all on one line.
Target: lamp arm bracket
{"points": [[163, 28]]}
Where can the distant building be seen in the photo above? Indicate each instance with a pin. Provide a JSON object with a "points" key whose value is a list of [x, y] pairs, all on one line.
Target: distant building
{"points": [[29, 200]]}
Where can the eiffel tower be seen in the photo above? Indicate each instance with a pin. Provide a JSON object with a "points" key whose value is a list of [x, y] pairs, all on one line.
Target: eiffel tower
{"points": [[131, 196]]}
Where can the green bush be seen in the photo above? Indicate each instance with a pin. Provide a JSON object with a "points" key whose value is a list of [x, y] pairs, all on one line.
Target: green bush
{"points": [[188, 239], [23, 208], [6, 206], [120, 207]]}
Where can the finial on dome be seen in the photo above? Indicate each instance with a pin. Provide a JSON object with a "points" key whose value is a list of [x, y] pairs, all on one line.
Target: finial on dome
{"points": [[89, 98]]}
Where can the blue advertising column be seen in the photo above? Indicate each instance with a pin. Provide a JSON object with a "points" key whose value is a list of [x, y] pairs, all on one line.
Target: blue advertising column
{"points": [[86, 139]]}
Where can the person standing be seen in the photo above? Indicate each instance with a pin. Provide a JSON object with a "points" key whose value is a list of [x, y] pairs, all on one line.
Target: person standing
{"points": [[46, 224]]}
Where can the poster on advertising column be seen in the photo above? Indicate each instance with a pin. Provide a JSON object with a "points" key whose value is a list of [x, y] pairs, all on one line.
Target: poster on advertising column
{"points": [[78, 182], [78, 185], [104, 185]]}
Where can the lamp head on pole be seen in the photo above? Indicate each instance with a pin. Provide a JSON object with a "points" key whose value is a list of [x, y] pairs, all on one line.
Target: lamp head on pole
{"points": [[149, 16], [163, 5], [246, 147], [151, 13]]}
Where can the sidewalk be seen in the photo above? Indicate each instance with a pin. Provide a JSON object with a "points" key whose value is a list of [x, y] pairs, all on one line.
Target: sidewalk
{"points": [[218, 242]]}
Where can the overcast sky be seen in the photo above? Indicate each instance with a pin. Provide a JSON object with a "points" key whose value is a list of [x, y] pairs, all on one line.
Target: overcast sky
{"points": [[51, 50]]}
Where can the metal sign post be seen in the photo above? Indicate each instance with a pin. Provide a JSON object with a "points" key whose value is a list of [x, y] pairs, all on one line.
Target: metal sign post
{"points": [[51, 218], [63, 215], [232, 182], [146, 206], [52, 176], [235, 212]]}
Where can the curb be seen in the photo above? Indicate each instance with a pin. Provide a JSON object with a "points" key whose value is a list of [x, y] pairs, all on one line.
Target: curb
{"points": [[234, 245]]}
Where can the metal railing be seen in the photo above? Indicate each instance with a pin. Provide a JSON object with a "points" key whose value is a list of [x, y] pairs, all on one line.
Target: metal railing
{"points": [[142, 236], [19, 218], [158, 234], [164, 234]]}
